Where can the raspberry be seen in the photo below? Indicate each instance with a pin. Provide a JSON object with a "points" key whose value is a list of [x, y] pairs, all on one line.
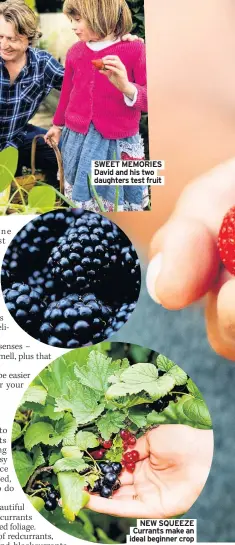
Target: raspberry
{"points": [[226, 241]]}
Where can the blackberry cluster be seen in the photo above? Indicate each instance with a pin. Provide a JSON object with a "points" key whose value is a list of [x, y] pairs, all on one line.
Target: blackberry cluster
{"points": [[70, 278], [48, 493], [108, 481]]}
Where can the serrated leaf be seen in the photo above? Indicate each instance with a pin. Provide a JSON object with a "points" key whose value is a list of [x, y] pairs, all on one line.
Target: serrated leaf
{"points": [[164, 363], [69, 464], [16, 431], [179, 376], [82, 401], [57, 376], [91, 479], [42, 198], [193, 389], [25, 466], [138, 417], [115, 453], [41, 432], [8, 165], [66, 428], [95, 372], [110, 423], [45, 411], [196, 411], [35, 394], [73, 496], [86, 440], [54, 457], [37, 503], [120, 390], [71, 452]]}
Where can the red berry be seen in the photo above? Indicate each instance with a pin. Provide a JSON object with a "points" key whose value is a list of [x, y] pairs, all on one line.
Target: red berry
{"points": [[107, 444], [226, 241], [130, 466], [125, 445], [125, 434], [98, 454], [135, 455], [132, 440], [128, 457]]}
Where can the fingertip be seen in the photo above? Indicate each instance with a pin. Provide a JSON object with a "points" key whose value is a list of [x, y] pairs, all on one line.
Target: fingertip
{"points": [[153, 272]]}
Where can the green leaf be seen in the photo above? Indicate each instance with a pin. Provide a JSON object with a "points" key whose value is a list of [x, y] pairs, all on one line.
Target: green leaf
{"points": [[110, 423], [95, 372], [78, 529], [69, 464], [73, 496], [35, 394], [179, 376], [82, 401], [193, 389], [86, 440], [37, 502], [42, 198], [47, 410], [54, 457], [16, 431], [56, 377], [25, 465], [66, 428], [43, 432], [8, 166], [196, 411], [114, 454], [163, 363], [91, 479], [71, 452], [138, 417]]}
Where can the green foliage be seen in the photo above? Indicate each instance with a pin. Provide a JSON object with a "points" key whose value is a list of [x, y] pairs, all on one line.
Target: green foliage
{"points": [[95, 396]]}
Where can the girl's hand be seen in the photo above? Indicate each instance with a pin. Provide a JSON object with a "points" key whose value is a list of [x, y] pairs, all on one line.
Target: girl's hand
{"points": [[54, 134], [131, 38], [116, 72]]}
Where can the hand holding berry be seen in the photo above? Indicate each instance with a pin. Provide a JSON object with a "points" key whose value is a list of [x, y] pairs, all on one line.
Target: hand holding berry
{"points": [[116, 72], [185, 263], [156, 486]]}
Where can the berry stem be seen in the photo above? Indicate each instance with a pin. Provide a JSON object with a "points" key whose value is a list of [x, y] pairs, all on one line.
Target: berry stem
{"points": [[46, 469]]}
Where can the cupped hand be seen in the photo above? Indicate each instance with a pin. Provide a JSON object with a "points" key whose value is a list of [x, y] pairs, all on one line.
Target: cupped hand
{"points": [[174, 464], [185, 263]]}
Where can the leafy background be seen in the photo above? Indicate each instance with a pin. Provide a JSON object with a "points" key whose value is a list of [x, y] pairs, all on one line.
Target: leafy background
{"points": [[36, 422]]}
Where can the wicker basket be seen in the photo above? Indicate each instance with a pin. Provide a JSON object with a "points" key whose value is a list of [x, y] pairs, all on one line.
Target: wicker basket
{"points": [[28, 182]]}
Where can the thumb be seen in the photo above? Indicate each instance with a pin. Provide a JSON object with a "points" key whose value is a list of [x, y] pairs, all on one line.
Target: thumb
{"points": [[184, 264]]}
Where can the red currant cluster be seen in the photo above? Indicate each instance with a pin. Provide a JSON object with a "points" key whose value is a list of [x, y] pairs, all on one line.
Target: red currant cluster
{"points": [[130, 458]]}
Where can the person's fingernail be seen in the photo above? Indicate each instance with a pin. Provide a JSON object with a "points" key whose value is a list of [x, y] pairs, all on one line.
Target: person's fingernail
{"points": [[153, 271]]}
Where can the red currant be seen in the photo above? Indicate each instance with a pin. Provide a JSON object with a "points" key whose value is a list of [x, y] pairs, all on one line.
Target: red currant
{"points": [[132, 440], [125, 434], [135, 455], [130, 466], [125, 445], [107, 444], [98, 454], [128, 457]]}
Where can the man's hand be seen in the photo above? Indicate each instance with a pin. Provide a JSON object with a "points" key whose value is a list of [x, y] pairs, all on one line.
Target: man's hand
{"points": [[185, 263], [54, 134], [174, 464]]}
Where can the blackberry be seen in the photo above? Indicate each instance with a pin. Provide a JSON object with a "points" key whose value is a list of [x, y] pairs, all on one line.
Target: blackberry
{"points": [[85, 253], [122, 315], [25, 306], [71, 322]]}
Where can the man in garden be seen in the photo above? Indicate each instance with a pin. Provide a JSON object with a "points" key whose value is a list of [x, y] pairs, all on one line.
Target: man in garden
{"points": [[27, 76]]}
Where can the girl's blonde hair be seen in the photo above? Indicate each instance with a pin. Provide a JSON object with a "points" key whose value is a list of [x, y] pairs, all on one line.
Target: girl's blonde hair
{"points": [[22, 18], [104, 17]]}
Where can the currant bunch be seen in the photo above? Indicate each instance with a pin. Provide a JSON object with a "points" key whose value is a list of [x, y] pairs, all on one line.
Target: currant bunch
{"points": [[108, 481], [48, 493]]}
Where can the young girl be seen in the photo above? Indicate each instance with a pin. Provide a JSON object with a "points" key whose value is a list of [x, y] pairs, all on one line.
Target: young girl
{"points": [[100, 109]]}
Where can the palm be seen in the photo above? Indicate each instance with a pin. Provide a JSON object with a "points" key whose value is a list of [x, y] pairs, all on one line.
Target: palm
{"points": [[175, 462]]}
